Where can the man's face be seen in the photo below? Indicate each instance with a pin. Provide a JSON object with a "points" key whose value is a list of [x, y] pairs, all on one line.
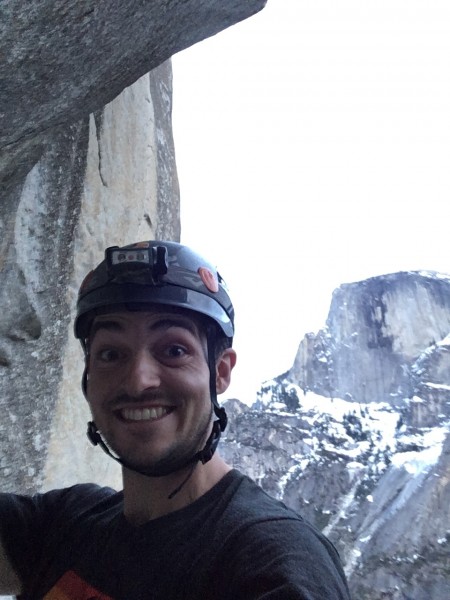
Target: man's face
{"points": [[148, 386]]}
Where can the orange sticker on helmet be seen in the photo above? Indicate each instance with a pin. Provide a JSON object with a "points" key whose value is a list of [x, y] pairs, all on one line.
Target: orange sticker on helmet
{"points": [[139, 245], [86, 281], [209, 279]]}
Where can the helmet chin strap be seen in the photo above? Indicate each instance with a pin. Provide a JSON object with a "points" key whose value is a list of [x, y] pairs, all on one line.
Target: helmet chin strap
{"points": [[211, 443], [203, 455]]}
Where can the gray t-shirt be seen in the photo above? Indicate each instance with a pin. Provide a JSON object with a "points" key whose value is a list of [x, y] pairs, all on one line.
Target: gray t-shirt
{"points": [[233, 543]]}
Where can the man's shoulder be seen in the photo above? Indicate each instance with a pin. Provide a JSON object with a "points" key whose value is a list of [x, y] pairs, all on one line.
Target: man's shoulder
{"points": [[77, 498], [253, 500], [252, 514], [258, 532], [90, 492], [80, 499], [244, 504]]}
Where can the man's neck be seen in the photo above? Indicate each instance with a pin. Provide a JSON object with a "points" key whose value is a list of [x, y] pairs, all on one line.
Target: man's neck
{"points": [[147, 498]]}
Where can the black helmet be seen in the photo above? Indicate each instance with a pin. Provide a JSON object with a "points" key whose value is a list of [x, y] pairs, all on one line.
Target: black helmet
{"points": [[164, 273], [154, 272]]}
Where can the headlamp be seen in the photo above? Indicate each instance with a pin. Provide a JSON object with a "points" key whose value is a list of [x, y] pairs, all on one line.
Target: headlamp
{"points": [[151, 261]]}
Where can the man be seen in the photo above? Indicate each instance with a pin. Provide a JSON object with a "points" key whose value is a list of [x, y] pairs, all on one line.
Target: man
{"points": [[156, 325]]}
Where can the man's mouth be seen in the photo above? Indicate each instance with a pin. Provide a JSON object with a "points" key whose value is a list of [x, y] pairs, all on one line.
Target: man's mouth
{"points": [[144, 414]]}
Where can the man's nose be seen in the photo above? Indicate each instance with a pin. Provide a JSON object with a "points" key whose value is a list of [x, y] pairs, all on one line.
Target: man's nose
{"points": [[143, 373]]}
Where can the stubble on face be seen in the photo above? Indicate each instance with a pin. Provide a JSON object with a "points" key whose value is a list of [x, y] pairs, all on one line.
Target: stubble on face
{"points": [[176, 456]]}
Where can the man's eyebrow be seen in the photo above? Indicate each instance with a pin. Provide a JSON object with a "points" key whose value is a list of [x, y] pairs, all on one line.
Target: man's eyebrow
{"points": [[168, 322], [108, 325], [164, 323]]}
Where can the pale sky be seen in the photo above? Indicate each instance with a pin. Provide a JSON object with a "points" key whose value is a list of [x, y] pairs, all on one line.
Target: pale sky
{"points": [[313, 149]]}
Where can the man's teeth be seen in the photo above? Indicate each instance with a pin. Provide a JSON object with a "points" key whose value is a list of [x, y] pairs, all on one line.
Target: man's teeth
{"points": [[144, 414]]}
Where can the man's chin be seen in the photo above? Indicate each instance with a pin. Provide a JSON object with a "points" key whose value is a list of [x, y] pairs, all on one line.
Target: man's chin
{"points": [[166, 465]]}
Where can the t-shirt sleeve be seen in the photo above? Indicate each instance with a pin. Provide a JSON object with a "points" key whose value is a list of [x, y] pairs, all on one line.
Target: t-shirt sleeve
{"points": [[22, 525], [31, 527], [284, 559]]}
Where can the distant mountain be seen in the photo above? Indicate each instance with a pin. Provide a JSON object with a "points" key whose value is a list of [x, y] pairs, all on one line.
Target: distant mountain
{"points": [[356, 436]]}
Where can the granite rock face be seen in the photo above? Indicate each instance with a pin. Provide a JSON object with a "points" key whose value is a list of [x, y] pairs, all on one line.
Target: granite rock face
{"points": [[376, 327], [63, 61], [356, 436]]}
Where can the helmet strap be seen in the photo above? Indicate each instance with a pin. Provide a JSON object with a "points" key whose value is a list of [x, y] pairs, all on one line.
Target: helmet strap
{"points": [[96, 439], [218, 426], [211, 349]]}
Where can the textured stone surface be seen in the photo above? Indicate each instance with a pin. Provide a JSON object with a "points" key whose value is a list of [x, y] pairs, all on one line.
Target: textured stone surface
{"points": [[375, 327], [62, 61], [36, 258]]}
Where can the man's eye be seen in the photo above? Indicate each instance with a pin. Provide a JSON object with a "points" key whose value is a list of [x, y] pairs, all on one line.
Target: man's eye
{"points": [[107, 355], [175, 351]]}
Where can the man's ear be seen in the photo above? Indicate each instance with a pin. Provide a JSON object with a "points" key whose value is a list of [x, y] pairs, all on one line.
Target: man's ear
{"points": [[224, 366]]}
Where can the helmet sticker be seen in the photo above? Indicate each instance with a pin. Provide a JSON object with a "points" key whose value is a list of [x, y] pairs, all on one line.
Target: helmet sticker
{"points": [[139, 245], [209, 279], [86, 281]]}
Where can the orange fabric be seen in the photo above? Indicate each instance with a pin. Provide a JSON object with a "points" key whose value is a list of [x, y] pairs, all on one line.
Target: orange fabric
{"points": [[72, 587], [209, 279]]}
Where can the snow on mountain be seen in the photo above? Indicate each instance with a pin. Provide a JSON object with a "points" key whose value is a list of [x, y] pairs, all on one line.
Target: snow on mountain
{"points": [[356, 436]]}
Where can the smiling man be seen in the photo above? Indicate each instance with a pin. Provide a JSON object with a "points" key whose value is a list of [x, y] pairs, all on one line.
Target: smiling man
{"points": [[156, 324], [148, 388]]}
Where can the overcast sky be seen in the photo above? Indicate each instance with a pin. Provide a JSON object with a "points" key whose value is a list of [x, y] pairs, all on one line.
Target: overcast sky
{"points": [[313, 149]]}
